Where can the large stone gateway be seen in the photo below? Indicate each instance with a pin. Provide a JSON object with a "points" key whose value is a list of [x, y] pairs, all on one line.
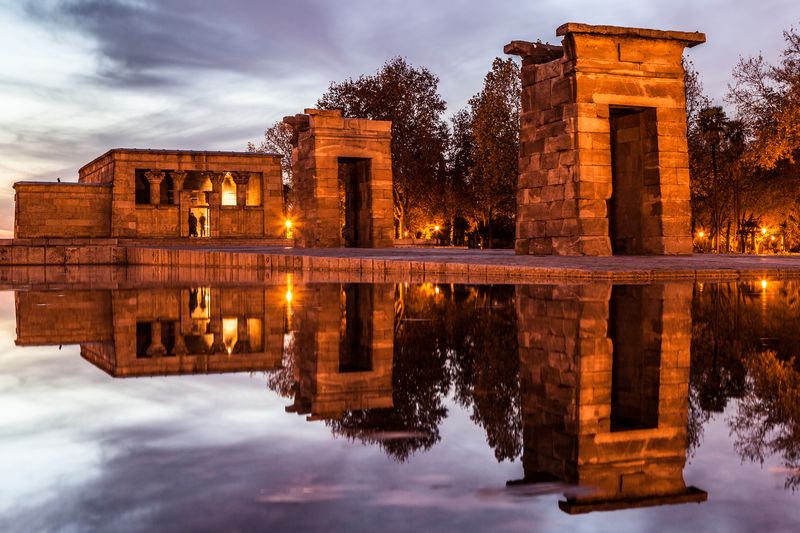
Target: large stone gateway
{"points": [[603, 163], [342, 170]]}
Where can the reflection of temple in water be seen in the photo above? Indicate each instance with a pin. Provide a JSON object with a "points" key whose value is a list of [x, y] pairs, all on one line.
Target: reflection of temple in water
{"points": [[604, 376], [343, 347], [604, 370], [160, 331], [341, 335]]}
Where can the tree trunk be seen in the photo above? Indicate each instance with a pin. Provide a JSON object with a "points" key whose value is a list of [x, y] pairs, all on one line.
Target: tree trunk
{"points": [[716, 205], [728, 238], [491, 236]]}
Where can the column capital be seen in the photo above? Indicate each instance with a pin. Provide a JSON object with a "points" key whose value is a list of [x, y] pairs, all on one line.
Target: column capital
{"points": [[216, 180], [154, 176], [241, 178], [178, 176]]}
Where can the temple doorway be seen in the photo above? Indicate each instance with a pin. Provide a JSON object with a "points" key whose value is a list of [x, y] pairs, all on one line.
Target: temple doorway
{"points": [[354, 209], [198, 220], [200, 226], [634, 167]]}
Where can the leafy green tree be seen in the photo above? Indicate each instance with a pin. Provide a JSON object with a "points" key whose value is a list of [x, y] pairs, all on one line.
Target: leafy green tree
{"points": [[409, 97], [277, 140], [495, 155]]}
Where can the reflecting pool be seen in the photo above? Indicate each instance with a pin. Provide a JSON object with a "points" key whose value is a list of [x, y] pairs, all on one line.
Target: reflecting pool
{"points": [[285, 406]]}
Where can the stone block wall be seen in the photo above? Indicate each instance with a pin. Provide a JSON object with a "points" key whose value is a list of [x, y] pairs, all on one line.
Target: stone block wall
{"points": [[572, 97], [61, 210], [157, 221], [323, 140]]}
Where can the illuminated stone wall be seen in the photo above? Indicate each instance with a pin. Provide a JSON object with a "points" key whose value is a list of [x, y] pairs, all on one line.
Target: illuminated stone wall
{"points": [[104, 204], [328, 149], [603, 156], [61, 210]]}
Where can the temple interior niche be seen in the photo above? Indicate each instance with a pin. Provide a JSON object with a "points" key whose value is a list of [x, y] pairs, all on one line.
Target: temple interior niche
{"points": [[228, 190], [254, 190]]}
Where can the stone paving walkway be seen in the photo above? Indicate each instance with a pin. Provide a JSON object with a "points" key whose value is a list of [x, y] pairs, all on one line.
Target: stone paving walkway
{"points": [[478, 264]]}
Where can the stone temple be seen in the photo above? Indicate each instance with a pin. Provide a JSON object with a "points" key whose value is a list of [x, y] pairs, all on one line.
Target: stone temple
{"points": [[603, 168], [603, 165], [153, 194]]}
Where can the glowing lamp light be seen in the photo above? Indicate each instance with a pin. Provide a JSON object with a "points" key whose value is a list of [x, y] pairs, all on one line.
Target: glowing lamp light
{"points": [[436, 228], [288, 224], [436, 289], [772, 238], [701, 234], [289, 296], [763, 284], [763, 231]]}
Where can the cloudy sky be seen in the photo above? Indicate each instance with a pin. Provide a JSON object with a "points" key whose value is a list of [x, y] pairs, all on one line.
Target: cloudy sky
{"points": [[78, 77]]}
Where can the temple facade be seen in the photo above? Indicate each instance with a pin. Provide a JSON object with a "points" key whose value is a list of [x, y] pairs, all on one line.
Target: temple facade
{"points": [[158, 194]]}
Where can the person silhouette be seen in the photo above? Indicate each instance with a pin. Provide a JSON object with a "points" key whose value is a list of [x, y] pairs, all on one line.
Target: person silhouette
{"points": [[202, 222], [192, 225]]}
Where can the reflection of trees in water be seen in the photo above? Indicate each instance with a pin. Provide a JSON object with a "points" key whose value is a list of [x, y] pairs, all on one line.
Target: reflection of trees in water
{"points": [[446, 337], [767, 420], [485, 362], [745, 344]]}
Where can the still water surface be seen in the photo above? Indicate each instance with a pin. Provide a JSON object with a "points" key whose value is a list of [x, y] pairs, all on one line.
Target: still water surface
{"points": [[354, 407]]}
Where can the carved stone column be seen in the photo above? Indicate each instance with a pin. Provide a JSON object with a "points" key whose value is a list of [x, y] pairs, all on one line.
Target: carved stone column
{"points": [[180, 342], [242, 337], [156, 348], [178, 177], [241, 179], [154, 177]]}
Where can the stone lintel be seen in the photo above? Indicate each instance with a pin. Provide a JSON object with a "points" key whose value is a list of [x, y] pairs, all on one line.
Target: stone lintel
{"points": [[534, 52], [689, 39]]}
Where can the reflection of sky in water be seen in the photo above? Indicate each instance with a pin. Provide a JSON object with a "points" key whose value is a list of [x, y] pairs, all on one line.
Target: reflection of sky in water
{"points": [[82, 451]]}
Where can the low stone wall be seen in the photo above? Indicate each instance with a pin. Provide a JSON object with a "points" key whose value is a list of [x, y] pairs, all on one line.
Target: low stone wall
{"points": [[62, 210], [62, 252], [157, 221], [247, 222]]}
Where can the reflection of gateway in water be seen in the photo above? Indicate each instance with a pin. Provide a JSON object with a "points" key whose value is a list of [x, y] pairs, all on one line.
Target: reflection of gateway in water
{"points": [[605, 376]]}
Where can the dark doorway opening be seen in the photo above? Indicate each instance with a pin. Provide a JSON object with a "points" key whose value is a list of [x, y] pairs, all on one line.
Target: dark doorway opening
{"points": [[354, 174], [636, 366], [634, 168], [355, 339]]}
